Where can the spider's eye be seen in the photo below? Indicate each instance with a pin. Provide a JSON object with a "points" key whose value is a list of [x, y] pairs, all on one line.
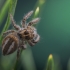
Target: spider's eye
{"points": [[26, 32], [20, 35], [27, 37]]}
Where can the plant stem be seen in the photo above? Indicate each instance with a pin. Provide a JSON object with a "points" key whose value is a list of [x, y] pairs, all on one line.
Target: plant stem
{"points": [[17, 60], [16, 64]]}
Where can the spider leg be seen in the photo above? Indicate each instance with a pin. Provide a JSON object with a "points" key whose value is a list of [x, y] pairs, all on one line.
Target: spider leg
{"points": [[30, 43], [25, 18], [7, 32], [17, 27], [24, 46], [34, 21], [37, 39], [34, 41]]}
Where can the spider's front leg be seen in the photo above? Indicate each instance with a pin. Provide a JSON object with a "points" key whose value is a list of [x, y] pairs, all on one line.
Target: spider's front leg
{"points": [[30, 43], [34, 41], [24, 46], [34, 21], [25, 18], [17, 27], [7, 32]]}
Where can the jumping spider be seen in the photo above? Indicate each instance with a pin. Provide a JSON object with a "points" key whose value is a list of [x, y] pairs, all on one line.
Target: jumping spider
{"points": [[17, 39]]}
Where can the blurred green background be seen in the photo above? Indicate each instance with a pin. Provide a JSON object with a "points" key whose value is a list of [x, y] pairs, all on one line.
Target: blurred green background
{"points": [[54, 29]]}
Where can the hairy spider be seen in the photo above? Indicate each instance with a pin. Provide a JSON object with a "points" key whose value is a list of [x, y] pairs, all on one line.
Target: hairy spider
{"points": [[17, 39]]}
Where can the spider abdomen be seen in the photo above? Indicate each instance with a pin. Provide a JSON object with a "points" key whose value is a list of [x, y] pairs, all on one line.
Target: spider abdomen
{"points": [[10, 44]]}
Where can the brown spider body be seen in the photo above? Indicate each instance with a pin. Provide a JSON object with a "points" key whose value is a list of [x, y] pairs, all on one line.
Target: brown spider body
{"points": [[17, 39], [10, 44], [27, 33]]}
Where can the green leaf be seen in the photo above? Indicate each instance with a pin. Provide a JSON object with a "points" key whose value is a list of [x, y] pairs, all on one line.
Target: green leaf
{"points": [[50, 63], [4, 11], [38, 8], [12, 8]]}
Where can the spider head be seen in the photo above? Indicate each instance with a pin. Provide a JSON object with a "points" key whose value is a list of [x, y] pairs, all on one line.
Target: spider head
{"points": [[27, 33]]}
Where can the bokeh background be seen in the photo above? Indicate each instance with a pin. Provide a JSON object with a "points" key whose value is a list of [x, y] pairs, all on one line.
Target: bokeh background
{"points": [[54, 29]]}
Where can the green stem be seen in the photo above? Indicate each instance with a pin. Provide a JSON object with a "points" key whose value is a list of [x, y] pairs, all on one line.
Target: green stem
{"points": [[16, 64], [17, 61]]}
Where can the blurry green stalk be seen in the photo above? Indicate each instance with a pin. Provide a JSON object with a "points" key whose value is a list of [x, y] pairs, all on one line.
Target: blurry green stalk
{"points": [[12, 8], [50, 63], [4, 11], [38, 8]]}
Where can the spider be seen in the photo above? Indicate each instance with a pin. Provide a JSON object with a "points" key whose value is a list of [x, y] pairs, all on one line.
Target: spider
{"points": [[18, 38]]}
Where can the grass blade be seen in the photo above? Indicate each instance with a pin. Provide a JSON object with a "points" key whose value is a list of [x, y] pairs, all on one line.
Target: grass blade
{"points": [[12, 8], [50, 63], [4, 11]]}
